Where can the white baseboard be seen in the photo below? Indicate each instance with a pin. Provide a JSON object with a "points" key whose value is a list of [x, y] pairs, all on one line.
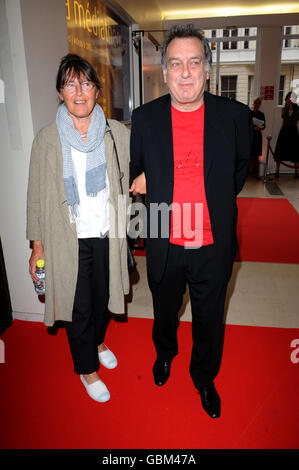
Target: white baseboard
{"points": [[39, 317]]}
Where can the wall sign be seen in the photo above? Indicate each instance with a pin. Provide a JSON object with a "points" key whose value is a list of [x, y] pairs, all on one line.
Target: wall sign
{"points": [[267, 92]]}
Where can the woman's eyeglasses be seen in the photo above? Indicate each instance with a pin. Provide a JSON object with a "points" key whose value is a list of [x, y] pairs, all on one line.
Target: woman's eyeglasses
{"points": [[85, 87]]}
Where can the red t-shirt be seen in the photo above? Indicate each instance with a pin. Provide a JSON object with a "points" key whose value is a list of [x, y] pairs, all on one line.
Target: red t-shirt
{"points": [[190, 219]]}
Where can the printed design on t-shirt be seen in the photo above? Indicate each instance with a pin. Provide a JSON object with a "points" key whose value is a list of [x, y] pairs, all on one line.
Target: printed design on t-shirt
{"points": [[191, 161]]}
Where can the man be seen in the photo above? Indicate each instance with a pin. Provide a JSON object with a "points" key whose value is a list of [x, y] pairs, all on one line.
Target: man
{"points": [[190, 148]]}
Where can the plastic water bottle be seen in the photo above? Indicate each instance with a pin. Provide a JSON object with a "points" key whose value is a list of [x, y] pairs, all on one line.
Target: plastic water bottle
{"points": [[40, 285]]}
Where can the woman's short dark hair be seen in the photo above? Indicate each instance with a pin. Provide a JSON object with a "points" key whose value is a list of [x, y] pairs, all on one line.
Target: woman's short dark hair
{"points": [[73, 66], [187, 31]]}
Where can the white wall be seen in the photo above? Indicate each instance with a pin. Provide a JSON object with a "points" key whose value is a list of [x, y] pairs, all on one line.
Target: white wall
{"points": [[45, 42], [33, 38]]}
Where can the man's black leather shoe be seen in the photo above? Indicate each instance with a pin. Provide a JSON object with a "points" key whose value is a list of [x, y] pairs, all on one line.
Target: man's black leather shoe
{"points": [[210, 399], [161, 371]]}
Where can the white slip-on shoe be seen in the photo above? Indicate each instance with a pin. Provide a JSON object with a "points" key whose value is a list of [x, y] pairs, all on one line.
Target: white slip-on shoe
{"points": [[97, 390], [108, 359]]}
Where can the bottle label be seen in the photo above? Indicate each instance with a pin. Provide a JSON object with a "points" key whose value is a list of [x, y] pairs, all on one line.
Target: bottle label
{"points": [[40, 285]]}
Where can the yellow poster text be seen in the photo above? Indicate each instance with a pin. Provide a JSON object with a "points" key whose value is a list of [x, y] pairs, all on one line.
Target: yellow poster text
{"points": [[95, 22]]}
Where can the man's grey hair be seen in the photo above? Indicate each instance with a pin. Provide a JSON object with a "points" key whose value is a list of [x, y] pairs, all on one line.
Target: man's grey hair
{"points": [[187, 31]]}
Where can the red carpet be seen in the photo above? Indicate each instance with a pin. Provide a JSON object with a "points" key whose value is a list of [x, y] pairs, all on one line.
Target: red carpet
{"points": [[268, 231], [44, 405]]}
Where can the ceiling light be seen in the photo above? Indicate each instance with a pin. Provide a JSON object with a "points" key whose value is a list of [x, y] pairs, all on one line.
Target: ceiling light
{"points": [[230, 11]]}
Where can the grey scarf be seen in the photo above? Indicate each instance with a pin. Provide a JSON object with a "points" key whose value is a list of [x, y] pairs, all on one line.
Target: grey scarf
{"points": [[94, 148]]}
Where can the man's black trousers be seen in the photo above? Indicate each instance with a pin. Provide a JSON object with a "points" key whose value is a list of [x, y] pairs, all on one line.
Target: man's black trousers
{"points": [[90, 312], [198, 269]]}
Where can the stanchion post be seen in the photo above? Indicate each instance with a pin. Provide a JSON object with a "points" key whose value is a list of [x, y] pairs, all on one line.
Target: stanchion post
{"points": [[269, 137]]}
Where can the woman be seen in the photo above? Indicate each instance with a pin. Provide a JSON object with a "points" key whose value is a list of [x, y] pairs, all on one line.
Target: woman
{"points": [[259, 124], [287, 145], [72, 206]]}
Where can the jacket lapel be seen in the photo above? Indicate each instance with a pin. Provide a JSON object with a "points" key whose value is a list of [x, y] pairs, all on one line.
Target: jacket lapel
{"points": [[55, 160], [61, 190], [163, 140], [165, 133], [109, 151], [211, 130]]}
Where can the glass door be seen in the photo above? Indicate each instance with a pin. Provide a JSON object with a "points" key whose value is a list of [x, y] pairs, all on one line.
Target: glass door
{"points": [[101, 37]]}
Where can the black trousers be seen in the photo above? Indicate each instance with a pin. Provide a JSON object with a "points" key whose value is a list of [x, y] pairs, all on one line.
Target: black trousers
{"points": [[90, 312], [198, 269]]}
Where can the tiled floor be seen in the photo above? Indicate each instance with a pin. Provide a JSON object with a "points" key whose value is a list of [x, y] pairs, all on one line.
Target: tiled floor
{"points": [[259, 294], [288, 185]]}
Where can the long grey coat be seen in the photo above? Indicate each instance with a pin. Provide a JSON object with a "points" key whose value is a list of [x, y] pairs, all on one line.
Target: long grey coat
{"points": [[48, 220]]}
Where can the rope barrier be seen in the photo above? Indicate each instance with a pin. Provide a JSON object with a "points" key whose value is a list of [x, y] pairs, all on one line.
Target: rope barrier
{"points": [[277, 159], [269, 149]]}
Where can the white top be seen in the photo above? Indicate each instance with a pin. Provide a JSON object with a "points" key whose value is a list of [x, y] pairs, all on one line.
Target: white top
{"points": [[93, 218]]}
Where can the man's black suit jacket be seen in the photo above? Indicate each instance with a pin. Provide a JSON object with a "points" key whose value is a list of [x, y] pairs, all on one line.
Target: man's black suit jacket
{"points": [[227, 150]]}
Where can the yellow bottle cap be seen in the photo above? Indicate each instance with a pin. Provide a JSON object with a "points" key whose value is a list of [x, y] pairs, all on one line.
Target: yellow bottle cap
{"points": [[40, 263]]}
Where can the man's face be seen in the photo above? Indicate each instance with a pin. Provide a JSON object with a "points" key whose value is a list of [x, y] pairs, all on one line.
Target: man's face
{"points": [[185, 73]]}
